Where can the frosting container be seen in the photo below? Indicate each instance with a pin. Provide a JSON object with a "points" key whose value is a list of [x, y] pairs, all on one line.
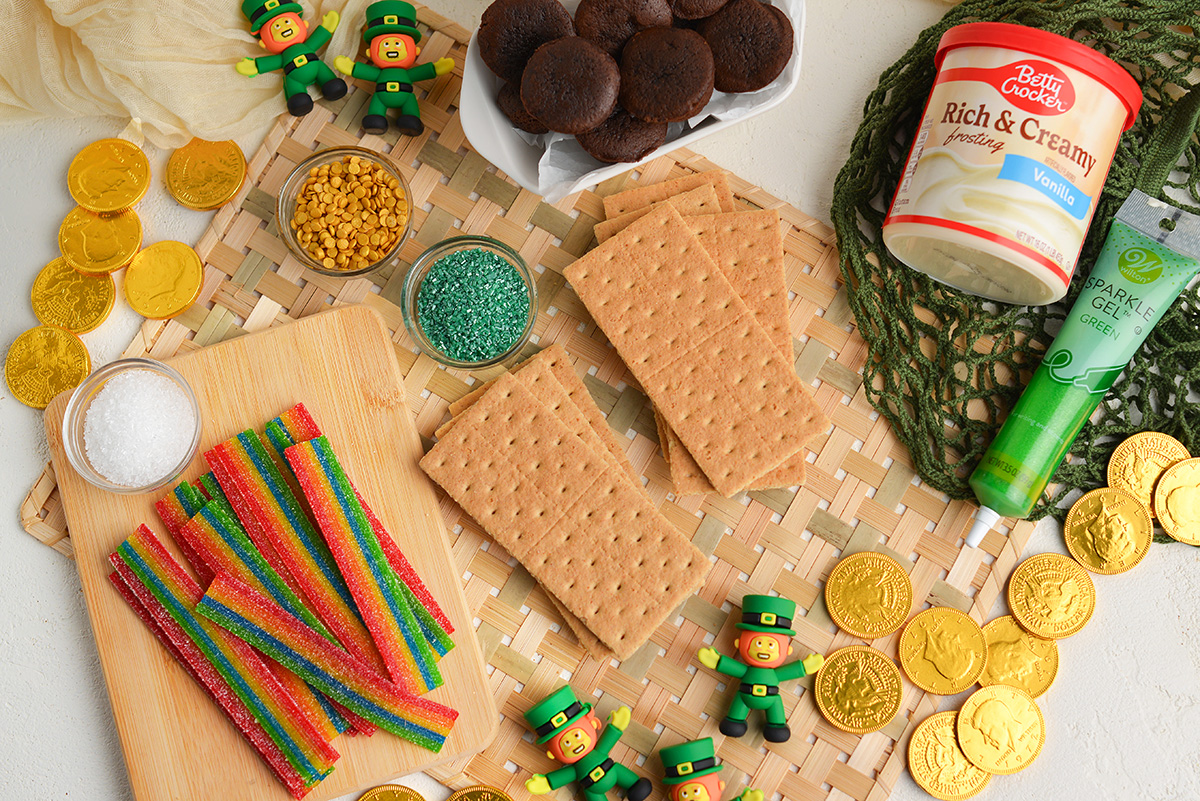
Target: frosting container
{"points": [[1006, 167]]}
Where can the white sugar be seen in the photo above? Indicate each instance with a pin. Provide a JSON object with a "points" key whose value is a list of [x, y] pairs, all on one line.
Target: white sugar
{"points": [[138, 428]]}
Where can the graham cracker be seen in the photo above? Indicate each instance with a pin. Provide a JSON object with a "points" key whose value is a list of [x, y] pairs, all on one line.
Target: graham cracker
{"points": [[748, 248], [701, 200], [695, 348], [641, 196], [570, 517]]}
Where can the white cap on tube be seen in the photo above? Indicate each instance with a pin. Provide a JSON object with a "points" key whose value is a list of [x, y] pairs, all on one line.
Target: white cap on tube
{"points": [[985, 518]]}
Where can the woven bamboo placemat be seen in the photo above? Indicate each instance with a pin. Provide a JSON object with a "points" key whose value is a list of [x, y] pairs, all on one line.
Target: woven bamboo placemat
{"points": [[861, 494]]}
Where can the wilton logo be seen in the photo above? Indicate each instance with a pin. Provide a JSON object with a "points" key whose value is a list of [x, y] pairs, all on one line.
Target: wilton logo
{"points": [[1036, 86], [1140, 265]]}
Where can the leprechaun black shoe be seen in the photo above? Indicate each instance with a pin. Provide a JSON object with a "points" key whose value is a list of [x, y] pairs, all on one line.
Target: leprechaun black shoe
{"points": [[733, 728], [640, 789], [375, 124], [776, 734], [410, 125], [300, 104], [333, 89]]}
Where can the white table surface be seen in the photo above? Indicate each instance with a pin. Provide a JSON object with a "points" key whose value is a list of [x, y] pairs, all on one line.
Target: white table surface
{"points": [[1123, 718]]}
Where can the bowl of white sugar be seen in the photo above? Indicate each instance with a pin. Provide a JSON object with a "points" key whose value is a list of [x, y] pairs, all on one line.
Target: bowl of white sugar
{"points": [[132, 427]]}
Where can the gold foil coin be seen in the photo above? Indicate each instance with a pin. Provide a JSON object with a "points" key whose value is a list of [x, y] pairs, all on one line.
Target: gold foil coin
{"points": [[205, 175], [1051, 596], [1177, 501], [868, 595], [1000, 729], [109, 175], [163, 280], [391, 792], [1138, 462], [1017, 658], [1108, 530], [96, 245], [942, 650], [938, 765], [858, 689], [43, 362], [480, 792], [65, 297]]}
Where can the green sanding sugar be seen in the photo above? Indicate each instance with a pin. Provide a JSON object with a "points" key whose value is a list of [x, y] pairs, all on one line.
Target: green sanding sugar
{"points": [[473, 305]]}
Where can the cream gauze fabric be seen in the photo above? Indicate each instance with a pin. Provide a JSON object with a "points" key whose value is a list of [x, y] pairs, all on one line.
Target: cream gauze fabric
{"points": [[168, 62]]}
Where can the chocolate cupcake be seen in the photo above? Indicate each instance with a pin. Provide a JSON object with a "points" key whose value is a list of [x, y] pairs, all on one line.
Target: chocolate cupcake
{"points": [[510, 103], [696, 9], [610, 23], [751, 43], [510, 30], [666, 74], [623, 138], [570, 85]]}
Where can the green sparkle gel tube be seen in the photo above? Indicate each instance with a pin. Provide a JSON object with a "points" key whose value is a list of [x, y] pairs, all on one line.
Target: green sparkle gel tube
{"points": [[1151, 253]]}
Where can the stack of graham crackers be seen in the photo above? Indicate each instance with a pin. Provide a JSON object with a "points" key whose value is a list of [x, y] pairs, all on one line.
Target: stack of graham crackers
{"points": [[693, 296], [531, 458]]}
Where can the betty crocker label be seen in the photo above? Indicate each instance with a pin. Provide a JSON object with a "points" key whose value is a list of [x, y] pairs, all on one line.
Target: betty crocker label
{"points": [[1034, 86]]}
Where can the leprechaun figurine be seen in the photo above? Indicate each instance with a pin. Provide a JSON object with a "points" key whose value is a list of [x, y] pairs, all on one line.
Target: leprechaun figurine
{"points": [[569, 730], [768, 621], [284, 34], [690, 773], [391, 38]]}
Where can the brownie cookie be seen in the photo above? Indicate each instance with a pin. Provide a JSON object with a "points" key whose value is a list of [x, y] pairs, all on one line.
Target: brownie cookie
{"points": [[696, 9], [510, 103], [623, 138], [570, 85], [609, 23], [666, 74], [510, 30], [751, 43]]}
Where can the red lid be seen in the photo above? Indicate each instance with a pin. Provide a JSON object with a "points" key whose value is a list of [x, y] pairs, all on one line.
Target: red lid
{"points": [[1051, 47]]}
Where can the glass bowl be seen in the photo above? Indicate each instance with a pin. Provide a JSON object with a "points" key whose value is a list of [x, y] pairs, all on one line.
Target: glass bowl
{"points": [[420, 268], [285, 207], [76, 413]]}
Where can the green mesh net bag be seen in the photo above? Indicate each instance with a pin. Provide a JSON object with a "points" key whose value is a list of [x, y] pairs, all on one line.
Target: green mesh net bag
{"points": [[944, 366]]}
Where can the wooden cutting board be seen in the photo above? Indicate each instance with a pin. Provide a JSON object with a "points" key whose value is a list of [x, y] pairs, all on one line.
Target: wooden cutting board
{"points": [[342, 366]]}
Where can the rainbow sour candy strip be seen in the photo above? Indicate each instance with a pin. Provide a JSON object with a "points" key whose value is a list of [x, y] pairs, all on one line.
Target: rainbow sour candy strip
{"points": [[296, 425], [201, 670], [268, 627], [244, 469], [246, 674], [175, 510], [376, 589], [209, 488], [217, 538]]}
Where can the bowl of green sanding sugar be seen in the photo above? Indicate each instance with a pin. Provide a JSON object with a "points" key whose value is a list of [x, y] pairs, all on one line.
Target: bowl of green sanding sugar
{"points": [[469, 302]]}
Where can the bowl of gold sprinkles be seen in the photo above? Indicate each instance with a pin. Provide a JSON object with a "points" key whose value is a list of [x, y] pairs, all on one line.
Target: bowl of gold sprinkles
{"points": [[469, 302], [345, 211]]}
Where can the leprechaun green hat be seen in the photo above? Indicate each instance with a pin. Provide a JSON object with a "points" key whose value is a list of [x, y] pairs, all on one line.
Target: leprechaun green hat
{"points": [[555, 712], [260, 12], [688, 761], [391, 16], [769, 614]]}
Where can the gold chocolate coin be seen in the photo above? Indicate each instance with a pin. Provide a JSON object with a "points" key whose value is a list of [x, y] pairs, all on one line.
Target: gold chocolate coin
{"points": [[858, 689], [163, 280], [480, 792], [205, 175], [868, 595], [1017, 658], [1177, 501], [96, 245], [1000, 729], [1108, 530], [938, 765], [44, 361], [65, 297], [108, 176], [1137, 463], [1051, 596], [391, 792], [942, 650]]}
